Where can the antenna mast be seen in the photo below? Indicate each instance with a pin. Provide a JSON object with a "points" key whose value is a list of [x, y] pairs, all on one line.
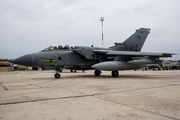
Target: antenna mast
{"points": [[102, 19]]}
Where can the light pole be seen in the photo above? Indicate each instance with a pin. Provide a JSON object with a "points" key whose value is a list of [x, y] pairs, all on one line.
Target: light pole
{"points": [[102, 19]]}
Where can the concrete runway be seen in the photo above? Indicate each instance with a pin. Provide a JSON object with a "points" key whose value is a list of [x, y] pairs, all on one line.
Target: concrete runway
{"points": [[134, 95]]}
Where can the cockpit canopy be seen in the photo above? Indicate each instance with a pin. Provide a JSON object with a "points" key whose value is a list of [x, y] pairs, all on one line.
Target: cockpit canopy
{"points": [[58, 47], [48, 49]]}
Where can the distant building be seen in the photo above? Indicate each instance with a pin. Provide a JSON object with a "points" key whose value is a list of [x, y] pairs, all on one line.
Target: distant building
{"points": [[5, 65]]}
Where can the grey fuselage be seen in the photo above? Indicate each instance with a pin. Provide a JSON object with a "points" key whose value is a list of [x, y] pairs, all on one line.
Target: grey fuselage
{"points": [[81, 58]]}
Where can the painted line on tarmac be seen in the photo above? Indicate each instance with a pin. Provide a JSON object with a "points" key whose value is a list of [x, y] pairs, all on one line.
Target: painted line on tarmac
{"points": [[139, 109], [96, 96], [79, 96], [45, 99]]}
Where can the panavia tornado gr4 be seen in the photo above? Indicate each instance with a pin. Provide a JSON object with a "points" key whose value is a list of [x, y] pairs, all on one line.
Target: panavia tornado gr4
{"points": [[122, 56]]}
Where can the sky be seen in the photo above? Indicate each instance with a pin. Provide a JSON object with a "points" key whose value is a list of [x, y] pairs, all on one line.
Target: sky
{"points": [[28, 26]]}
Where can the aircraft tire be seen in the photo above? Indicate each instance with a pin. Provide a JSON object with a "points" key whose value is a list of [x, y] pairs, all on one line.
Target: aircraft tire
{"points": [[57, 76], [115, 73], [97, 72]]}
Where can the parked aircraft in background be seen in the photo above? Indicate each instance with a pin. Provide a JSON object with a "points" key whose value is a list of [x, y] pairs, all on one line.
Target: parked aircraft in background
{"points": [[122, 56], [165, 65], [173, 65]]}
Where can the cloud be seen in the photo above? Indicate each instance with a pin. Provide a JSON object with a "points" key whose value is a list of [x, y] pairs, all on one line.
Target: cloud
{"points": [[30, 26]]}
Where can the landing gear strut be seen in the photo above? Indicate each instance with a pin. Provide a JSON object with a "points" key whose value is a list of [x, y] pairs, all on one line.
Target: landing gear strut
{"points": [[115, 73], [97, 72], [57, 75]]}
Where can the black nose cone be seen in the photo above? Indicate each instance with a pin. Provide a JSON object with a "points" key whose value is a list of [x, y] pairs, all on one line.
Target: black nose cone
{"points": [[25, 60]]}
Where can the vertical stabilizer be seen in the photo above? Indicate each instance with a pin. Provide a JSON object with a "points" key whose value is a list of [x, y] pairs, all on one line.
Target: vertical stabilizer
{"points": [[135, 42]]}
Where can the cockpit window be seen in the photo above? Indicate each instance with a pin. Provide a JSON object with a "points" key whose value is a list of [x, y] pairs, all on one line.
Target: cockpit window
{"points": [[48, 49], [58, 47], [55, 48], [66, 47]]}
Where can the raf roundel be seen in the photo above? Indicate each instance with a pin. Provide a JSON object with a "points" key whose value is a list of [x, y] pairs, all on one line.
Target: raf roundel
{"points": [[59, 58]]}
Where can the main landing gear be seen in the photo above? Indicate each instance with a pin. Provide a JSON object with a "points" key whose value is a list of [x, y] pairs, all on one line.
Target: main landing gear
{"points": [[74, 71], [97, 72], [57, 75], [114, 73]]}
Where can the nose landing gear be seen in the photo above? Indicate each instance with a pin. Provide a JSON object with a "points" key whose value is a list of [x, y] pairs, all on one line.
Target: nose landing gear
{"points": [[57, 75]]}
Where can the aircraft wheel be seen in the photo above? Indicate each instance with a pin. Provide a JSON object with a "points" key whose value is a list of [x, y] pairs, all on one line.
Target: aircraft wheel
{"points": [[57, 75], [97, 72], [115, 73]]}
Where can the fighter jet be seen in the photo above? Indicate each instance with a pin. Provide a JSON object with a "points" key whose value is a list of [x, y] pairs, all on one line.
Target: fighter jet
{"points": [[173, 65], [121, 56]]}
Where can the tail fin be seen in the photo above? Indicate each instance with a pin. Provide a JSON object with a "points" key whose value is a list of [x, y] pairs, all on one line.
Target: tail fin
{"points": [[134, 43]]}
